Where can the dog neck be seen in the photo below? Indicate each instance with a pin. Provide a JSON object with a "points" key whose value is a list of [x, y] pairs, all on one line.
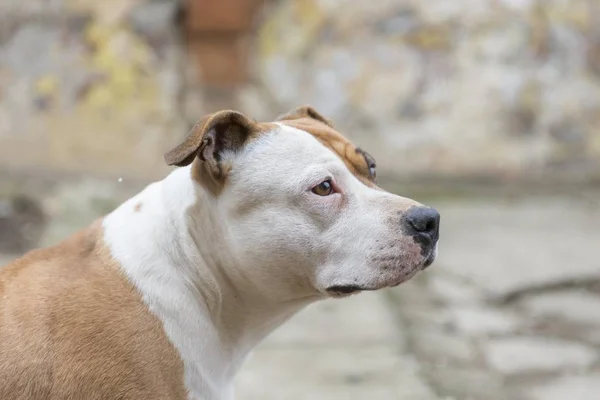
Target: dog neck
{"points": [[171, 245]]}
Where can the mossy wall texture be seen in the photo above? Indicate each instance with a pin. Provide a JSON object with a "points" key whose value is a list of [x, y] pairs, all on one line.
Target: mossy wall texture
{"points": [[88, 86], [466, 88]]}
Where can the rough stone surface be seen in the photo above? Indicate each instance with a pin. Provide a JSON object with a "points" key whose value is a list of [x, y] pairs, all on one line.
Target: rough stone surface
{"points": [[337, 349], [480, 321], [373, 372], [546, 246], [526, 354], [569, 387], [324, 323], [504, 88], [102, 94], [467, 383], [443, 347], [578, 306], [454, 291]]}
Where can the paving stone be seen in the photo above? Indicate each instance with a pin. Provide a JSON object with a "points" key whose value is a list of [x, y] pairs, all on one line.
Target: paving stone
{"points": [[414, 302], [467, 383], [336, 349], [492, 114], [483, 321], [369, 372], [593, 336], [451, 290], [359, 319], [519, 245], [442, 347], [535, 354], [31, 41], [572, 305], [584, 387]]}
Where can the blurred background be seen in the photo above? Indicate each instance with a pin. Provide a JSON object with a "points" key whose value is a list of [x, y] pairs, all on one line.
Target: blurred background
{"points": [[488, 110]]}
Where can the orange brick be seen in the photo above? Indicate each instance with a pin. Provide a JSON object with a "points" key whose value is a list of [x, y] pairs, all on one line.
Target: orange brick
{"points": [[221, 15], [220, 60]]}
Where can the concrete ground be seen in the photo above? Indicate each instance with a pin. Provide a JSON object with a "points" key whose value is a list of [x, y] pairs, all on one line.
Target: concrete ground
{"points": [[511, 310], [337, 349]]}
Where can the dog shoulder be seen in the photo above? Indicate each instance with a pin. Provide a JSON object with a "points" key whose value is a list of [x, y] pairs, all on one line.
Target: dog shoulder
{"points": [[72, 325]]}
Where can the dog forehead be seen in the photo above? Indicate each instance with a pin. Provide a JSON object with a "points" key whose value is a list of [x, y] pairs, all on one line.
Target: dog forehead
{"points": [[353, 157]]}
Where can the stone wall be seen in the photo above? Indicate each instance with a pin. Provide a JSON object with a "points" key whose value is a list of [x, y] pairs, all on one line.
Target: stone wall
{"points": [[505, 89], [471, 88], [88, 86]]}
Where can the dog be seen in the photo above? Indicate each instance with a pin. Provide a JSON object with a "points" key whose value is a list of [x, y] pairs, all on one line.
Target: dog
{"points": [[165, 297]]}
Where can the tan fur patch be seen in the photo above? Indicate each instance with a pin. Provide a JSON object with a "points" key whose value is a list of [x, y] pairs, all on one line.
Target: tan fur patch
{"points": [[305, 112], [353, 157], [73, 327]]}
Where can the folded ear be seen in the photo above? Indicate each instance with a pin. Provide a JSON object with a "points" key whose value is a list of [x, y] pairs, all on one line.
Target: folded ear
{"points": [[208, 141], [305, 112], [211, 136]]}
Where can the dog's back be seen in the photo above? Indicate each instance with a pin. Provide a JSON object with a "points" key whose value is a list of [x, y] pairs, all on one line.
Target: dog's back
{"points": [[72, 326]]}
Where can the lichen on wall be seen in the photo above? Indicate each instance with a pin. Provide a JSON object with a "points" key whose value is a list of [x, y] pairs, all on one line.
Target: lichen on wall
{"points": [[467, 88], [506, 88], [84, 86]]}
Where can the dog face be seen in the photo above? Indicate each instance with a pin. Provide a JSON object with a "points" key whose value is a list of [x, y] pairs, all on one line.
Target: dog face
{"points": [[302, 211]]}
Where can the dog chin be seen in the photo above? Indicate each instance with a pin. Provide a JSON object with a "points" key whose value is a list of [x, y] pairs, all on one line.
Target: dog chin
{"points": [[339, 291]]}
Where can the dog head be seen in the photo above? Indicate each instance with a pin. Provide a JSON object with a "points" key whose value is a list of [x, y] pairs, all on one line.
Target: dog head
{"points": [[300, 206]]}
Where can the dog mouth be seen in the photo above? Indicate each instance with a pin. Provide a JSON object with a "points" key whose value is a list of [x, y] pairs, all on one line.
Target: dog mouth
{"points": [[346, 290], [350, 289]]}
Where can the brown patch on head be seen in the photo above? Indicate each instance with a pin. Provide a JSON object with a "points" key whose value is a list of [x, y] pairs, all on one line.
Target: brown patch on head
{"points": [[72, 326], [137, 207], [305, 112], [359, 162], [208, 140]]}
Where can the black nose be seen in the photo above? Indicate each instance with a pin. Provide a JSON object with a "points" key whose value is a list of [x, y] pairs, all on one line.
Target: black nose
{"points": [[424, 220]]}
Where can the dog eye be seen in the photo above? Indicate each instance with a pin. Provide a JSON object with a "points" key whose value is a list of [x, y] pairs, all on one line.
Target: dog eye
{"points": [[324, 188]]}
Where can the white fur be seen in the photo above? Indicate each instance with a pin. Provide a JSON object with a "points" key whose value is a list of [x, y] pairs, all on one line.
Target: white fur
{"points": [[221, 273]]}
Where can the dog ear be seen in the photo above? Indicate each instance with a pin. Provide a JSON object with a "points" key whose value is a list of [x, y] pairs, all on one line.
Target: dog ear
{"points": [[305, 112], [206, 144], [211, 136]]}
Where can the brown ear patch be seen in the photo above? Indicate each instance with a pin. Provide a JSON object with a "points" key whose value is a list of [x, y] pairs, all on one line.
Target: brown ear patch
{"points": [[224, 129], [208, 141], [305, 112], [360, 163]]}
